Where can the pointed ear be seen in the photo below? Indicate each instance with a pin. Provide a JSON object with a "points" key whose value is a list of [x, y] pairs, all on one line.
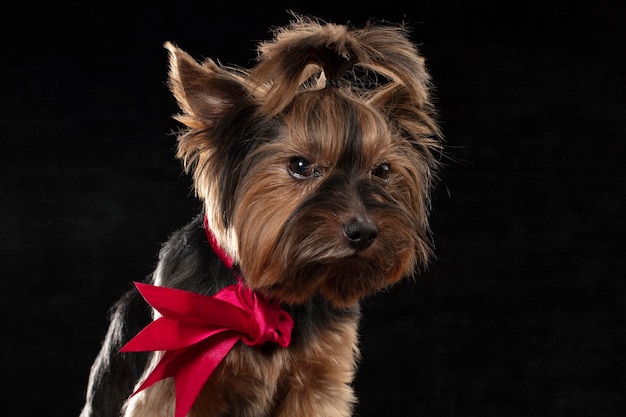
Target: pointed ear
{"points": [[416, 117], [204, 92]]}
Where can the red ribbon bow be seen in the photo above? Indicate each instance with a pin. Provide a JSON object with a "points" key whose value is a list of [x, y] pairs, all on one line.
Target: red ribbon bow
{"points": [[197, 331]]}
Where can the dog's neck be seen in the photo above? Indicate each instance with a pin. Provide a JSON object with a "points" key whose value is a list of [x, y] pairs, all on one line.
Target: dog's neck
{"points": [[219, 251], [212, 325]]}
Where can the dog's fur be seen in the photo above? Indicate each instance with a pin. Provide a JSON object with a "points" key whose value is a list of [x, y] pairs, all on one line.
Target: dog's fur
{"points": [[315, 169]]}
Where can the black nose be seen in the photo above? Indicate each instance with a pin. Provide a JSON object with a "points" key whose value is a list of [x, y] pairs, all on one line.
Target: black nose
{"points": [[360, 232]]}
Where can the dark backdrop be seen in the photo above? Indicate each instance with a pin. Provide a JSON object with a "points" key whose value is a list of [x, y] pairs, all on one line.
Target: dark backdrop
{"points": [[521, 314]]}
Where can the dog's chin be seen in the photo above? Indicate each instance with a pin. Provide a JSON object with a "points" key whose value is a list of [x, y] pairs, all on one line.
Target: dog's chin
{"points": [[356, 277], [343, 282]]}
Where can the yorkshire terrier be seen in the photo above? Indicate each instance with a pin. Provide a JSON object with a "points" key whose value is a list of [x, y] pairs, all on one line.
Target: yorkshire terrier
{"points": [[315, 169]]}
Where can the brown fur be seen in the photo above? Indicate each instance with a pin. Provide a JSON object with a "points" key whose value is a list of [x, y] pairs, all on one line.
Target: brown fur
{"points": [[329, 140], [277, 81], [307, 380]]}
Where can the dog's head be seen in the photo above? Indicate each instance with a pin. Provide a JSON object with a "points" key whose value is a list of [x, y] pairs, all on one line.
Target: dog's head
{"points": [[316, 165]]}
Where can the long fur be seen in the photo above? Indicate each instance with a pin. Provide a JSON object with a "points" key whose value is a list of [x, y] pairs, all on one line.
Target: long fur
{"points": [[315, 168]]}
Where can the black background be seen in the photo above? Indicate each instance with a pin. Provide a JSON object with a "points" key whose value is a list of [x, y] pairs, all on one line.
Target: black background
{"points": [[521, 314]]}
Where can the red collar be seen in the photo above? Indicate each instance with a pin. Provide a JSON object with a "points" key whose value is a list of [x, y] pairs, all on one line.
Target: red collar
{"points": [[196, 331], [219, 251]]}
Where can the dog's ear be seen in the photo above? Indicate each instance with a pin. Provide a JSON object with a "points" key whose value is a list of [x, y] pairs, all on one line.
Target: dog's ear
{"points": [[204, 92], [416, 117], [405, 96]]}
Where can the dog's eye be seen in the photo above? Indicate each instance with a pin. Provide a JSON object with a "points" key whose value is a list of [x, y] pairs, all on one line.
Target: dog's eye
{"points": [[382, 171], [300, 168]]}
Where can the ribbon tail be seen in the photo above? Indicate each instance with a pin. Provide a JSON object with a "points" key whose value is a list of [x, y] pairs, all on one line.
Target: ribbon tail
{"points": [[198, 367], [184, 306], [169, 335], [164, 369]]}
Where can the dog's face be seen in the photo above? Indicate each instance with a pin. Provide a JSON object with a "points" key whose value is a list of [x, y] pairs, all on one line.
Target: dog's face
{"points": [[312, 183]]}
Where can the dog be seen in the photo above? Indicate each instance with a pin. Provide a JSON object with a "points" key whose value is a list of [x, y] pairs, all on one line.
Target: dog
{"points": [[315, 168]]}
